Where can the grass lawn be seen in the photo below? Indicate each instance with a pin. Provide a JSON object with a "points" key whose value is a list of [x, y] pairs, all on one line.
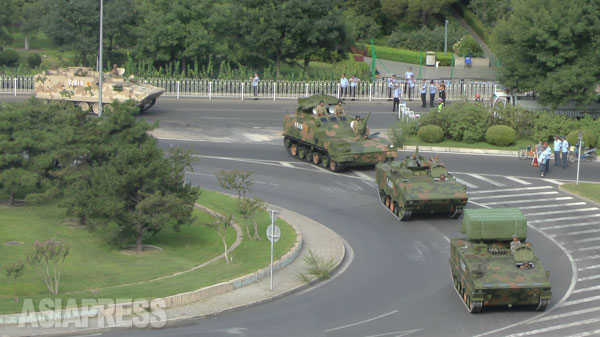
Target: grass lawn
{"points": [[94, 267], [415, 140], [588, 190], [40, 44]]}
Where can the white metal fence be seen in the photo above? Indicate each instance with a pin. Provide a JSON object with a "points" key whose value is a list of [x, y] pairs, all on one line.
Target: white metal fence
{"points": [[274, 90]]}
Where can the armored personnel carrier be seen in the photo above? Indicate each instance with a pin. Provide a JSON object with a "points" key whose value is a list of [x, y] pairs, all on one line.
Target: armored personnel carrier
{"points": [[80, 85], [329, 140], [493, 266], [418, 186]]}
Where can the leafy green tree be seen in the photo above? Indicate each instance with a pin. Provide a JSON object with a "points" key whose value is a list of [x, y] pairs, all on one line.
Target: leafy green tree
{"points": [[15, 270], [239, 181], [248, 208], [415, 11], [6, 8], [46, 259], [552, 48], [120, 18], [221, 224], [27, 18], [490, 11]]}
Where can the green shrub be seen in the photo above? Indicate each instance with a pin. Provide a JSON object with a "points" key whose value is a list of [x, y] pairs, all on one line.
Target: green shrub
{"points": [[521, 120], [474, 22], [407, 56], [500, 135], [467, 46], [546, 125], [426, 38], [589, 139], [9, 57], [34, 60], [431, 134], [462, 121]]}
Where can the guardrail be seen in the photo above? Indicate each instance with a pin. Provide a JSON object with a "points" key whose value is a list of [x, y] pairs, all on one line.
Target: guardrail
{"points": [[274, 90]]}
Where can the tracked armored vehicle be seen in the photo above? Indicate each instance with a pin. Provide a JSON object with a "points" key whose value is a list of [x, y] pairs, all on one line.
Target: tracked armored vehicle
{"points": [[329, 140], [487, 270], [418, 186], [80, 85]]}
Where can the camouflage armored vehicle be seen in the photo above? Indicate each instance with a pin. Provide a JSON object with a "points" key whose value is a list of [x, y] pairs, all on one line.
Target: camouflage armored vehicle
{"points": [[80, 85], [329, 140], [493, 265], [418, 186]]}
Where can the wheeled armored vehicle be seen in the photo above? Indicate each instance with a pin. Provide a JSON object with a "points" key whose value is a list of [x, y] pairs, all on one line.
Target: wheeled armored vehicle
{"points": [[329, 140], [81, 86], [494, 266], [418, 186]]}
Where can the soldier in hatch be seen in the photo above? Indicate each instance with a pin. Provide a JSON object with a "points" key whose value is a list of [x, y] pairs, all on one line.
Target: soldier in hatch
{"points": [[339, 109], [360, 127], [321, 110]]}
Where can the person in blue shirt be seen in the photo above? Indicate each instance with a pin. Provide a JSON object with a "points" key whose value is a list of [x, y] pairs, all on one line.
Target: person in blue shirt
{"points": [[557, 147], [545, 160], [353, 84], [392, 82], [564, 144], [343, 86], [255, 80], [432, 91], [424, 93], [396, 104]]}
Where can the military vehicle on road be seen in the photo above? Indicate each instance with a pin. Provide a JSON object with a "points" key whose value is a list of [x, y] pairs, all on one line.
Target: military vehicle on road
{"points": [[80, 85], [418, 186], [329, 140], [493, 265]]}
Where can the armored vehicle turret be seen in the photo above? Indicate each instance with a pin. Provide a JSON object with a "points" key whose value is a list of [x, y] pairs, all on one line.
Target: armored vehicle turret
{"points": [[493, 265], [332, 140], [80, 85], [419, 186]]}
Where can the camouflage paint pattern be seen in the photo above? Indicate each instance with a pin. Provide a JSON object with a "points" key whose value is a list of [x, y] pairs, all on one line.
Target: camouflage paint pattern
{"points": [[414, 186], [80, 85], [331, 137], [486, 274]]}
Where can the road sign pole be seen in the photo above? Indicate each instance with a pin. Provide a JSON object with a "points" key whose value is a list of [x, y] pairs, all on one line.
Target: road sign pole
{"points": [[579, 157], [273, 234]]}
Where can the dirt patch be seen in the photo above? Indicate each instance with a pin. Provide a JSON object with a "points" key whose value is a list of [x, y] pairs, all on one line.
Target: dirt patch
{"points": [[13, 243], [146, 250]]}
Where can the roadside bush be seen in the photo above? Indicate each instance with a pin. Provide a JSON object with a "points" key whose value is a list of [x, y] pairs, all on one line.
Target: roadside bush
{"points": [[467, 46], [546, 125], [425, 38], [34, 60], [462, 121], [9, 57], [408, 56], [521, 120], [500, 135], [589, 139], [431, 134]]}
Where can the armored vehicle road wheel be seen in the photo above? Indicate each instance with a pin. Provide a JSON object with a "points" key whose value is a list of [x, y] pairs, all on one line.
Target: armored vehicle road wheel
{"points": [[308, 154], [95, 108], [388, 201], [316, 158], [294, 150], [301, 152], [334, 166], [396, 209], [84, 106], [325, 161], [542, 305], [474, 306], [456, 214], [382, 196]]}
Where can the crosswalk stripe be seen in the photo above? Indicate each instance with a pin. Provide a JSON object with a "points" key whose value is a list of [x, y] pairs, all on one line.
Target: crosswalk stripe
{"points": [[555, 182], [565, 218], [587, 240], [562, 211], [588, 278], [363, 175], [582, 290], [568, 314], [556, 327], [513, 195], [553, 206], [589, 267], [587, 258], [520, 181], [583, 300], [469, 185], [571, 225], [512, 189], [589, 231], [585, 334], [526, 201], [487, 180], [286, 164]]}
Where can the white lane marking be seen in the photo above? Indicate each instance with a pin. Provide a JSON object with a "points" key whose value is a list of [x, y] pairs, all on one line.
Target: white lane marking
{"points": [[589, 231], [563, 211], [555, 182], [584, 249], [513, 189], [487, 180], [362, 322], [552, 206], [583, 300], [520, 181], [397, 333], [469, 185], [597, 266], [568, 314], [556, 327], [363, 175], [447, 238], [572, 225], [586, 333], [576, 291], [565, 218], [588, 278], [527, 200], [213, 176], [587, 240], [513, 195], [286, 164], [588, 258]]}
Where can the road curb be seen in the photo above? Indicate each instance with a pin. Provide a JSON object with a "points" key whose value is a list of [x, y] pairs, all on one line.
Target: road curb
{"points": [[461, 150]]}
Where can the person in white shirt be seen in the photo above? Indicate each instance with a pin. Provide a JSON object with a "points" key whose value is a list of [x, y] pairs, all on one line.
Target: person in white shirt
{"points": [[392, 81], [353, 84], [565, 151], [343, 86], [255, 80], [407, 76]]}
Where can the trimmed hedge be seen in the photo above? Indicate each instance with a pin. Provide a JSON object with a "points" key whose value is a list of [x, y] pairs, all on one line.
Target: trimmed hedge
{"points": [[589, 139], [407, 56], [9, 57], [500, 135], [34, 60], [431, 133]]}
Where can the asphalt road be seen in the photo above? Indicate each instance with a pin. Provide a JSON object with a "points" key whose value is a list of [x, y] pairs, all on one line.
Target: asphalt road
{"points": [[399, 281]]}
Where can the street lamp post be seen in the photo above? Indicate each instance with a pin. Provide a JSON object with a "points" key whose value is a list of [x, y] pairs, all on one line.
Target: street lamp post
{"points": [[273, 234], [100, 68], [445, 37]]}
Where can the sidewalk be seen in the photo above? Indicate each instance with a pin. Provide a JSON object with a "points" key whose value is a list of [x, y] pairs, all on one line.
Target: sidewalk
{"points": [[322, 241]]}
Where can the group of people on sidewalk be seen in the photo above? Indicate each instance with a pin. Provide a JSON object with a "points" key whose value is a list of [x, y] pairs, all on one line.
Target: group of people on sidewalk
{"points": [[432, 88], [544, 154]]}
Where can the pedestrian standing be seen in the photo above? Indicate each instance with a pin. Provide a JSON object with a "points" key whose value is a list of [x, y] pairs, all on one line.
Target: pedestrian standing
{"points": [[255, 84], [424, 93], [545, 160], [538, 149], [392, 82], [396, 104], [411, 87], [344, 86], [407, 76], [557, 148], [353, 84], [432, 91], [442, 92], [564, 144]]}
